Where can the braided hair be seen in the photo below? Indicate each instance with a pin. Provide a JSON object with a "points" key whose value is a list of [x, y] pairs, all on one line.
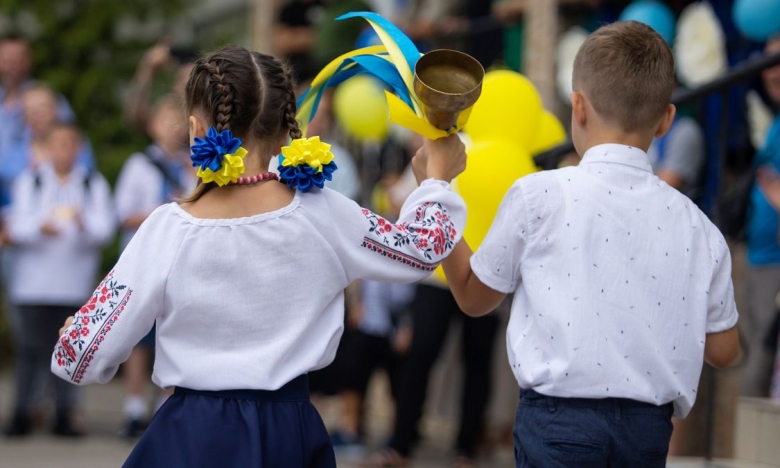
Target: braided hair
{"points": [[249, 93]]}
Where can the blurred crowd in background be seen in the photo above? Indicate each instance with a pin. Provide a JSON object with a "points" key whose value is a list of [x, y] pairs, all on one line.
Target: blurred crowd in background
{"points": [[90, 147]]}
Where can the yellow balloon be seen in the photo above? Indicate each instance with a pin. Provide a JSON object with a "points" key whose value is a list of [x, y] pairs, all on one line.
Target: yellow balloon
{"points": [[493, 166], [508, 108], [360, 107], [549, 134]]}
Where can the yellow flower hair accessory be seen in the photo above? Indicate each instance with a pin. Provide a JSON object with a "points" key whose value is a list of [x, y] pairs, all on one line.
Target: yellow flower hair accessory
{"points": [[219, 157], [306, 163]]}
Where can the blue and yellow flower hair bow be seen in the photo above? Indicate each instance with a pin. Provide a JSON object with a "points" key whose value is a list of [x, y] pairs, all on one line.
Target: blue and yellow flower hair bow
{"points": [[306, 163], [219, 157]]}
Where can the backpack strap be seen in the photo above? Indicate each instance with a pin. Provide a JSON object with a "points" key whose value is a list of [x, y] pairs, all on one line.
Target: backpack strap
{"points": [[86, 182], [166, 173]]}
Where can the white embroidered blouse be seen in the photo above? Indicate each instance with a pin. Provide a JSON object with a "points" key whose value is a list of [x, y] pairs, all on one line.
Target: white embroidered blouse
{"points": [[251, 303]]}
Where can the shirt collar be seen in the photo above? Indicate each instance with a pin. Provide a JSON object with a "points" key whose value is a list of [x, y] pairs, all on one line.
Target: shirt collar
{"points": [[78, 172], [618, 154]]}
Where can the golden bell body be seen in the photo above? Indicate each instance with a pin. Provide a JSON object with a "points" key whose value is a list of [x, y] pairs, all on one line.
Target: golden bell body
{"points": [[447, 82]]}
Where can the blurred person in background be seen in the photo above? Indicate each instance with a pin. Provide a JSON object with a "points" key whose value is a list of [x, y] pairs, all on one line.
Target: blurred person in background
{"points": [[159, 58], [148, 179], [346, 180], [678, 157], [40, 115], [15, 69], [16, 78], [41, 110], [60, 219], [293, 35], [377, 335], [763, 271], [432, 309]]}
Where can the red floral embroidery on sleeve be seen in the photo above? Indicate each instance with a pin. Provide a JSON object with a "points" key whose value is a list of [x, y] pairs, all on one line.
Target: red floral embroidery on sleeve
{"points": [[432, 234], [99, 313]]}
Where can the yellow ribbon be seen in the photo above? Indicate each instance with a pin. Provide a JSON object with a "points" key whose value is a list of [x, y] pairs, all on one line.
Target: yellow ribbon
{"points": [[232, 168]]}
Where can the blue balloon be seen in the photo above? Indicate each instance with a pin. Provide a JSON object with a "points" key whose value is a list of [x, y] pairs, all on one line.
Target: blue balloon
{"points": [[367, 38], [654, 14], [757, 19]]}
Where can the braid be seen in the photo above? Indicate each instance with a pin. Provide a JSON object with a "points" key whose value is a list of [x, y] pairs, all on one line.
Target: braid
{"points": [[289, 114], [223, 96], [278, 108], [289, 106]]}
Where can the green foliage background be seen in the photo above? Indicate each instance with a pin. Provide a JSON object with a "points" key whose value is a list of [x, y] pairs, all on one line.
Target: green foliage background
{"points": [[77, 53]]}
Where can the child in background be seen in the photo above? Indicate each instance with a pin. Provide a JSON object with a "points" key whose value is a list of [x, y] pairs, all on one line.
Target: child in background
{"points": [[378, 335], [622, 285], [147, 180], [245, 278], [30, 150], [60, 219], [380, 339]]}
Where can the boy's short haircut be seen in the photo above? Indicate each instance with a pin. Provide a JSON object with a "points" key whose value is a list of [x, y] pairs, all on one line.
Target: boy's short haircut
{"points": [[626, 70]]}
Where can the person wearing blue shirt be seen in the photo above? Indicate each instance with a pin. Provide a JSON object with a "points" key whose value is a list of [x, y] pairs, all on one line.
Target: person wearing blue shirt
{"points": [[763, 273], [40, 112], [15, 135]]}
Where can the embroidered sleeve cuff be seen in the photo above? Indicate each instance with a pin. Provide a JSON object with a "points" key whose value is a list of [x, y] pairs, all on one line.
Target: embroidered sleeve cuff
{"points": [[440, 183], [488, 277]]}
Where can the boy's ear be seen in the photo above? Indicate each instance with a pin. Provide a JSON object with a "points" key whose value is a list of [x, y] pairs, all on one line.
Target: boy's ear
{"points": [[666, 121], [578, 114]]}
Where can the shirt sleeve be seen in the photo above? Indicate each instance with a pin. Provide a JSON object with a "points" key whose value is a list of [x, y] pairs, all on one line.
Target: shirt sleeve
{"points": [[98, 214], [25, 216], [430, 225], [131, 196], [497, 261], [722, 310], [121, 311]]}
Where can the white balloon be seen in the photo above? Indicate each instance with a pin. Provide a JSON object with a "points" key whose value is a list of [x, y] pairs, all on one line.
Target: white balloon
{"points": [[568, 46], [700, 47]]}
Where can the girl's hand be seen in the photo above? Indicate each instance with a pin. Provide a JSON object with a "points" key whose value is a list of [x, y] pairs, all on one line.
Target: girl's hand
{"points": [[68, 323], [441, 159]]}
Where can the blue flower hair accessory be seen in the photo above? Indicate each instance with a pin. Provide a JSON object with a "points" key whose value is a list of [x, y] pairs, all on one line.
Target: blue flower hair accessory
{"points": [[306, 163], [219, 157]]}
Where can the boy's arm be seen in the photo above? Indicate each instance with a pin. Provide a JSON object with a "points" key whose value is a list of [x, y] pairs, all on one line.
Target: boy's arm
{"points": [[721, 344], [474, 298], [721, 349], [481, 281]]}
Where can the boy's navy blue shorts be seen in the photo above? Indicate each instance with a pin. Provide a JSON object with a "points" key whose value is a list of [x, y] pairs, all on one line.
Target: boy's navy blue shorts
{"points": [[583, 433]]}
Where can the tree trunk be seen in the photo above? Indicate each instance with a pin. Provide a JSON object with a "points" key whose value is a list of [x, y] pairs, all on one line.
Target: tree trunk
{"points": [[541, 35], [261, 19]]}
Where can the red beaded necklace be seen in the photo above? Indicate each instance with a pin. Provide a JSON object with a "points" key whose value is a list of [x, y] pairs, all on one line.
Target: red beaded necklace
{"points": [[256, 179]]}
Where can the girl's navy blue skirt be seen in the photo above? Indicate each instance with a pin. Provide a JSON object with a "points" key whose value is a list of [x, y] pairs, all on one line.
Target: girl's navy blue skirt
{"points": [[236, 428]]}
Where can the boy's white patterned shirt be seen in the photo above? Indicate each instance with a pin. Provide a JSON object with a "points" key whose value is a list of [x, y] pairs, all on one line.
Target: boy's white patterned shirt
{"points": [[617, 279]]}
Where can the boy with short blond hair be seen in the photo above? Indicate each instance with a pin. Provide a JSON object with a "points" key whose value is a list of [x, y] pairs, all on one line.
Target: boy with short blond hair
{"points": [[622, 285]]}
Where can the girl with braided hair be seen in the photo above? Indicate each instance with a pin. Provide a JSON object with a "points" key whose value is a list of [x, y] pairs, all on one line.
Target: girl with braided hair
{"points": [[245, 277]]}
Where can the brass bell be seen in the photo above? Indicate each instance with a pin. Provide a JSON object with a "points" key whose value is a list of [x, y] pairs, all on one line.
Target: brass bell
{"points": [[447, 82]]}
